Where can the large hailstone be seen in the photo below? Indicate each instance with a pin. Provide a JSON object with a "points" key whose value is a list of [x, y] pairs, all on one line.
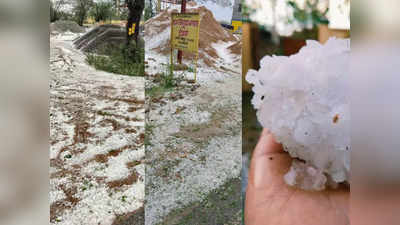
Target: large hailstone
{"points": [[303, 100]]}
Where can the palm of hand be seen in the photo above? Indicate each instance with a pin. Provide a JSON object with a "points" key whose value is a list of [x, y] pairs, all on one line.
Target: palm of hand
{"points": [[270, 201]]}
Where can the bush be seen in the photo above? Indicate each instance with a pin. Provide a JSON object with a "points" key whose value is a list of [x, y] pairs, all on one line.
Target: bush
{"points": [[81, 9], [56, 13], [119, 60], [168, 79], [147, 13], [102, 11]]}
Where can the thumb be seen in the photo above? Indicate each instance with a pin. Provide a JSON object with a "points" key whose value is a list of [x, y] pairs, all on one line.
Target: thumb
{"points": [[269, 162]]}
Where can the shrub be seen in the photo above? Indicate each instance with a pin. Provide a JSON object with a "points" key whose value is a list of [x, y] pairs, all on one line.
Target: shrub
{"points": [[147, 13], [102, 11], [168, 79], [119, 60], [81, 9]]}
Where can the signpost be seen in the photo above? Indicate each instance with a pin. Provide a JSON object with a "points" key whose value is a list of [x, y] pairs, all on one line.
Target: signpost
{"points": [[185, 28], [183, 10]]}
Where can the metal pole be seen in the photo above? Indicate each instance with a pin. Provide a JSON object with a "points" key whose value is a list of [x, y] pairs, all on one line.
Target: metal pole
{"points": [[171, 68], [183, 10]]}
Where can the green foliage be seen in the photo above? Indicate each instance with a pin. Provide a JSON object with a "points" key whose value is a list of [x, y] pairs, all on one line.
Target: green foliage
{"points": [[56, 14], [191, 70], [310, 13], [124, 14], [147, 13], [120, 60], [81, 9], [102, 11], [168, 79]]}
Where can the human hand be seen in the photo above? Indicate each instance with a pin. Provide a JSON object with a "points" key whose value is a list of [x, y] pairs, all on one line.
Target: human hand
{"points": [[270, 201]]}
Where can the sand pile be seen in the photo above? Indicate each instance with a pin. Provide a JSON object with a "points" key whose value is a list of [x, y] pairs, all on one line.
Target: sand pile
{"points": [[236, 48], [62, 26], [157, 34]]}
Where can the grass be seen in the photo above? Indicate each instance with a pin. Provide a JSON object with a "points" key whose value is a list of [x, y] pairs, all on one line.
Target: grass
{"points": [[157, 91], [167, 81], [190, 70], [120, 60], [221, 206]]}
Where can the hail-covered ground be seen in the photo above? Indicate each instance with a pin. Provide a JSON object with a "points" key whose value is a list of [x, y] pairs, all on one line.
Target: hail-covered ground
{"points": [[193, 134], [96, 141]]}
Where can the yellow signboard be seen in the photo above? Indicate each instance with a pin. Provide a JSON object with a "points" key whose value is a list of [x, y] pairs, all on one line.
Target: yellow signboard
{"points": [[185, 29]]}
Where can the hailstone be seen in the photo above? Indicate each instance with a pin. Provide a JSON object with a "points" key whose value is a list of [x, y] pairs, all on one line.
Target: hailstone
{"points": [[303, 100]]}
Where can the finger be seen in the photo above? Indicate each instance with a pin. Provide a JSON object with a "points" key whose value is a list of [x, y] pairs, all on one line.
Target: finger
{"points": [[267, 144], [269, 162]]}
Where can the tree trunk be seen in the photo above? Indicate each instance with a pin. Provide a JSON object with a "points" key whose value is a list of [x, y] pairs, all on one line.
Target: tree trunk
{"points": [[117, 6], [135, 8]]}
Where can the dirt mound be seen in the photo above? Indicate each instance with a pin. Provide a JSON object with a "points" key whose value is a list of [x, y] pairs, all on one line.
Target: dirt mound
{"points": [[157, 34], [236, 48], [100, 37], [62, 26]]}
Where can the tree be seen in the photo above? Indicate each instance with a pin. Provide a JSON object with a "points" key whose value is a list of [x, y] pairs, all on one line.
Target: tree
{"points": [[147, 13], [81, 9], [135, 8], [102, 11], [117, 4], [55, 9], [53, 12]]}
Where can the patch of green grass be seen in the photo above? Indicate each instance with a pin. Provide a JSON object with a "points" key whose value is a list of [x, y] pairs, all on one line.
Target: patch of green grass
{"points": [[120, 60], [191, 70], [157, 91], [123, 199], [221, 206], [167, 81]]}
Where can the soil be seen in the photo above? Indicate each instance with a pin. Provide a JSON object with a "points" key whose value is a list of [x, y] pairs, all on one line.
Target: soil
{"points": [[96, 141], [62, 26], [210, 32], [236, 48], [193, 142], [221, 206], [193, 129]]}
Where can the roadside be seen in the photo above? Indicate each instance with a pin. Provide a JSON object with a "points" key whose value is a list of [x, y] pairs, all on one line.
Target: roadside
{"points": [[193, 130], [220, 206], [96, 140]]}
